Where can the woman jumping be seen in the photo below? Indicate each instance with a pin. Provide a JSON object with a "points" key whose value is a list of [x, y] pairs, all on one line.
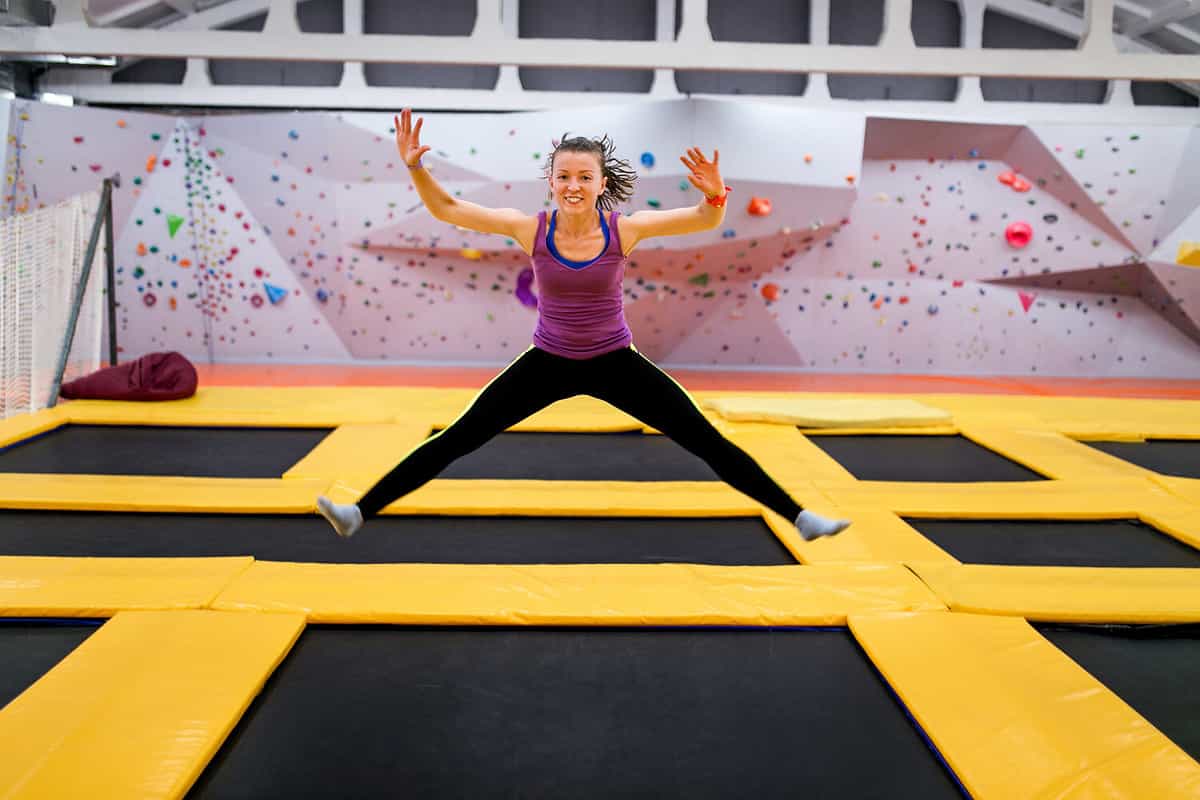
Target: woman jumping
{"points": [[582, 344]]}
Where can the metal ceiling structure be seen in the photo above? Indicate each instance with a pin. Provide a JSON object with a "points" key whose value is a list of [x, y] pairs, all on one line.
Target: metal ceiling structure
{"points": [[1147, 40]]}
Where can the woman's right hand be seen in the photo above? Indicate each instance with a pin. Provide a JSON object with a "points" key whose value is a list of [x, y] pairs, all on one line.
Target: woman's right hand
{"points": [[408, 139]]}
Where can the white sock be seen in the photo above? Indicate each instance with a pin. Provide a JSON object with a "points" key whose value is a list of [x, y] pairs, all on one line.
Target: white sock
{"points": [[346, 519], [812, 526]]}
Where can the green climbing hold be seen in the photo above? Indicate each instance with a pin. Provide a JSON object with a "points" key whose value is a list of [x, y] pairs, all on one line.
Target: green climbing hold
{"points": [[699, 280], [173, 223]]}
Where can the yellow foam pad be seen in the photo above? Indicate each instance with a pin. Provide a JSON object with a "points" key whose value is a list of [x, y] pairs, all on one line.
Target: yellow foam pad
{"points": [[36, 586], [1067, 594], [23, 426], [1049, 453], [140, 707], [1189, 254], [1187, 489], [278, 406], [552, 594], [153, 493], [366, 450], [1014, 717], [817, 412], [1064, 499]]}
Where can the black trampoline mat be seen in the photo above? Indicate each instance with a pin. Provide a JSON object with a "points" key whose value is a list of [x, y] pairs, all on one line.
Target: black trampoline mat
{"points": [[361, 711], [1178, 457], [931, 458], [1153, 668], [1065, 543], [733, 541], [162, 450], [627, 456], [30, 649]]}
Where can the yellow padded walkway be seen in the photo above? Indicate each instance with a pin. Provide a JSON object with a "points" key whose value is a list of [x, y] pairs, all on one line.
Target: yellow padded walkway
{"points": [[33, 586], [1016, 718], [140, 707], [564, 594]]}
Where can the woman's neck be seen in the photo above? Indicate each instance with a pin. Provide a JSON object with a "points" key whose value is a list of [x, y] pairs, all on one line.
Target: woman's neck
{"points": [[574, 227]]}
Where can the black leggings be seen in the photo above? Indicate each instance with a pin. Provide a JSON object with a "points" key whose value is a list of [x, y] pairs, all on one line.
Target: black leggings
{"points": [[623, 378]]}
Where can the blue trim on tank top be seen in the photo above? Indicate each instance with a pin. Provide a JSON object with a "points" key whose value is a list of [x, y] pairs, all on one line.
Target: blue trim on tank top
{"points": [[566, 262]]}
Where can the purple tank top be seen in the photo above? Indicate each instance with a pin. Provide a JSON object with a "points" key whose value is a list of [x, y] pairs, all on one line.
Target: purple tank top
{"points": [[581, 308]]}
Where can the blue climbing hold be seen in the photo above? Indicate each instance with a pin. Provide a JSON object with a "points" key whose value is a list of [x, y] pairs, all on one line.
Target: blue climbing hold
{"points": [[275, 294], [647, 159]]}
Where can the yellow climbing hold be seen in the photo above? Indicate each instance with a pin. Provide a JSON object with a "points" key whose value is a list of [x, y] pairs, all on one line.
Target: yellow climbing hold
{"points": [[1189, 254]]}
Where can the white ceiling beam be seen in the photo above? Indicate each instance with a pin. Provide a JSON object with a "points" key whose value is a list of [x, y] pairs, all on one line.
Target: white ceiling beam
{"points": [[1095, 62], [1050, 18], [1175, 12]]}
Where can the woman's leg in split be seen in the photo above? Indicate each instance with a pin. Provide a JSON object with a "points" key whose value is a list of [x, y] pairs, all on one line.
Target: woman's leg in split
{"points": [[632, 383], [527, 385]]}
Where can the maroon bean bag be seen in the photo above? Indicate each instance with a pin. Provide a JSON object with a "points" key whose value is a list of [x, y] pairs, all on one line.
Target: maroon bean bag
{"points": [[154, 376]]}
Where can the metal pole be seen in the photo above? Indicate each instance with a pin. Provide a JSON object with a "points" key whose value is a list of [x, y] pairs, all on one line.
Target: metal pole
{"points": [[81, 287], [110, 271]]}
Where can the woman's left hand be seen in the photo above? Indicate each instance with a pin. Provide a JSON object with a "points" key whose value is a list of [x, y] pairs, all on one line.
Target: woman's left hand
{"points": [[704, 173]]}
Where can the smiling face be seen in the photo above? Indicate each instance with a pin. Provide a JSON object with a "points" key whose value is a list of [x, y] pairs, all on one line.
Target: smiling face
{"points": [[577, 175]]}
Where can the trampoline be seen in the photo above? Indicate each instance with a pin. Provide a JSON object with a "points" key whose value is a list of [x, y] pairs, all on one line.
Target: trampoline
{"points": [[200, 452], [1176, 457], [1153, 668], [593, 639], [932, 458], [562, 712], [1075, 543], [29, 648], [396, 539]]}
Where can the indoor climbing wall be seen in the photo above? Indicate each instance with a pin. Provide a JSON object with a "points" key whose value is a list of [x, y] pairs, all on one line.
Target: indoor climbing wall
{"points": [[851, 242]]}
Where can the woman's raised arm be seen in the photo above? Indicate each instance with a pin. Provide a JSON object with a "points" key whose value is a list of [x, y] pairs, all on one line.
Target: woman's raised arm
{"points": [[440, 204]]}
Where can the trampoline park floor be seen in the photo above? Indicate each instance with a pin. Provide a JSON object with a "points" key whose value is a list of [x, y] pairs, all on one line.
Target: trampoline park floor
{"points": [[581, 608]]}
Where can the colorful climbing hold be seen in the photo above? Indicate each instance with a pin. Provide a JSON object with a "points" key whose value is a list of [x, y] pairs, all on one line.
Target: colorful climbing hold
{"points": [[275, 294], [1018, 234], [173, 223], [758, 207]]}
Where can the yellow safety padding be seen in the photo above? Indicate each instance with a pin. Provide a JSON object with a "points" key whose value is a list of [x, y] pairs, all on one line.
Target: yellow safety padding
{"points": [[1068, 594], [784, 453], [276, 406], [154, 493], [140, 707], [829, 412], [24, 426], [1188, 254], [1014, 717], [1065, 499], [1176, 518], [574, 414], [38, 586], [365, 450], [570, 594], [1188, 489], [1049, 453]]}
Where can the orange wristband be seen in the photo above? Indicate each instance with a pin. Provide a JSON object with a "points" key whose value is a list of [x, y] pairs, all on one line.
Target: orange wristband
{"points": [[718, 201]]}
